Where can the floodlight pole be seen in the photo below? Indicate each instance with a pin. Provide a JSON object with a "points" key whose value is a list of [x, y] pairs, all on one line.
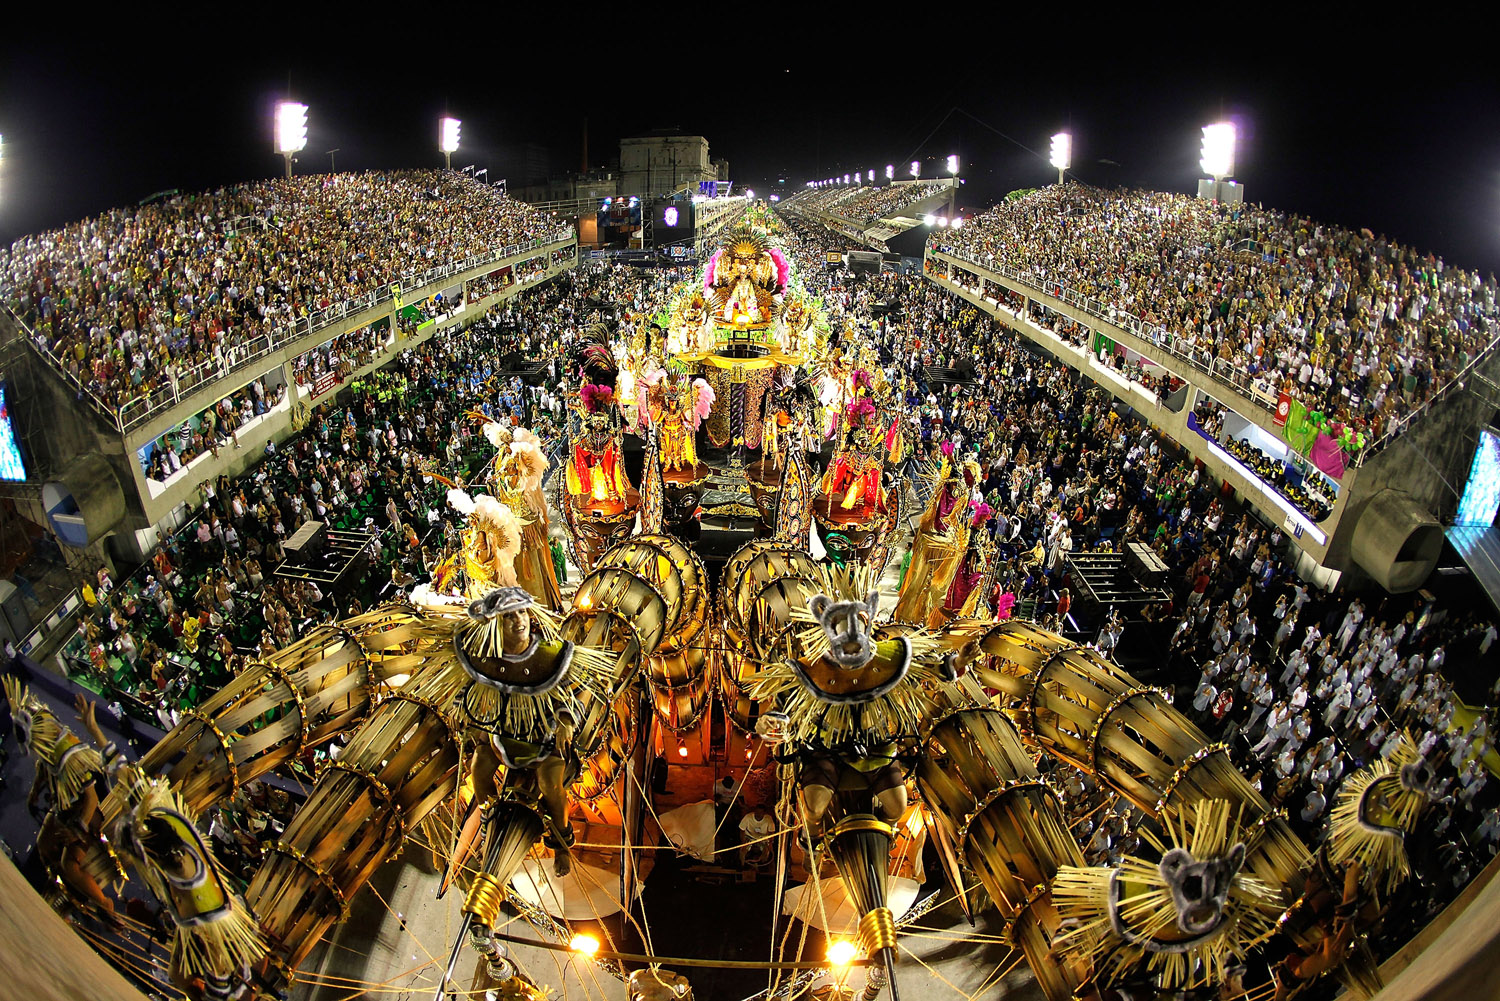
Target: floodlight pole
{"points": [[447, 161], [288, 158]]}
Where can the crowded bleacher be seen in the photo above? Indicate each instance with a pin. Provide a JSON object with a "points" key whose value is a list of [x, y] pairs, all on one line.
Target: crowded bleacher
{"points": [[1352, 325], [862, 205], [140, 300]]}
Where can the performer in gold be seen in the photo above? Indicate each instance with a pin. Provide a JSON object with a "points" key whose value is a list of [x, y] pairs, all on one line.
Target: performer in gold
{"points": [[942, 537], [746, 280], [67, 771], [516, 477], [526, 693], [215, 939], [678, 411], [964, 592]]}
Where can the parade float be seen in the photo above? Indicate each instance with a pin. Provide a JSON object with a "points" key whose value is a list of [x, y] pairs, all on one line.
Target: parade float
{"points": [[490, 719]]}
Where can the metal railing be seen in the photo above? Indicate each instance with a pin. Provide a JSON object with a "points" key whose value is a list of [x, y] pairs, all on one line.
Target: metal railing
{"points": [[137, 411], [1220, 369]]}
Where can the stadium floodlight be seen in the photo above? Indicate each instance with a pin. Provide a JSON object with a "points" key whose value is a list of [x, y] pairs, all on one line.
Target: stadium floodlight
{"points": [[942, 221], [1062, 154], [953, 164], [890, 171], [916, 168], [955, 222], [872, 177], [749, 193], [448, 129], [929, 220], [291, 130], [1218, 150], [846, 179]]}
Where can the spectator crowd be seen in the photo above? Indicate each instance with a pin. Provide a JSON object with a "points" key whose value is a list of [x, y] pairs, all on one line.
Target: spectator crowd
{"points": [[1350, 324], [142, 299]]}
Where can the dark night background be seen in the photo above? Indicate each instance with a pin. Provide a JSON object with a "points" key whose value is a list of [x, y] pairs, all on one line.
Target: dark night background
{"points": [[1364, 121]]}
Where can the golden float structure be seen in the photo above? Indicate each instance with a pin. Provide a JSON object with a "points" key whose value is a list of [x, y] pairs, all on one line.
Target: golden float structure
{"points": [[512, 722]]}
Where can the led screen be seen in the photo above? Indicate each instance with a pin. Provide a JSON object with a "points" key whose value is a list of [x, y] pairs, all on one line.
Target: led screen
{"points": [[10, 453], [1482, 493]]}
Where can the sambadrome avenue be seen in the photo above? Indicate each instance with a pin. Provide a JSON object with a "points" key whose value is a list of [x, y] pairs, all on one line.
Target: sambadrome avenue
{"points": [[670, 516]]}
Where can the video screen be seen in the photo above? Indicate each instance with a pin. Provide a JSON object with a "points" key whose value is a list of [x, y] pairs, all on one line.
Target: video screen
{"points": [[11, 467], [1482, 493]]}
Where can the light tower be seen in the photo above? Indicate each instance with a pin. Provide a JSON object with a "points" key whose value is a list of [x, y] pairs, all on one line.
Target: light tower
{"points": [[890, 171], [916, 168], [1062, 154], [291, 130], [1218, 156], [448, 140], [953, 164]]}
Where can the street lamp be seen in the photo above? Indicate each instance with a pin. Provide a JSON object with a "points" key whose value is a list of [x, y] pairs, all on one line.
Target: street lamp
{"points": [[448, 140], [1062, 154], [291, 130], [1218, 153]]}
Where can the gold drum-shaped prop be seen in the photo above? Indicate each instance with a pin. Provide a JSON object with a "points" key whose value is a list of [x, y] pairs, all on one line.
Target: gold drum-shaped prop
{"points": [[1003, 826], [1086, 711]]}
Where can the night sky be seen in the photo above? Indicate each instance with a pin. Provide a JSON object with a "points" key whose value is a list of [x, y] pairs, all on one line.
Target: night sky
{"points": [[1366, 122]]}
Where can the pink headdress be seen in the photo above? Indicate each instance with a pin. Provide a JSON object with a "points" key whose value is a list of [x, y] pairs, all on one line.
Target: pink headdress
{"points": [[783, 269], [859, 411], [710, 272], [596, 397], [704, 400]]}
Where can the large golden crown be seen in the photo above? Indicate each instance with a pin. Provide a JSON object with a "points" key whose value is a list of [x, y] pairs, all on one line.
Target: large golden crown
{"points": [[745, 242]]}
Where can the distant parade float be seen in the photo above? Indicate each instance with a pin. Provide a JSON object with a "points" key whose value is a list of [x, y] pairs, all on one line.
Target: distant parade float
{"points": [[489, 717]]}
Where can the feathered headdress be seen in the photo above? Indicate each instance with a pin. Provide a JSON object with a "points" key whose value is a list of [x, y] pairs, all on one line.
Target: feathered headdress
{"points": [[783, 269], [982, 513], [703, 400], [596, 397], [859, 411], [532, 460], [490, 514], [595, 363]]}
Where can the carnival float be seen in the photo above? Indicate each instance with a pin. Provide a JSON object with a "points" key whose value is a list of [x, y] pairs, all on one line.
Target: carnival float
{"points": [[492, 720]]}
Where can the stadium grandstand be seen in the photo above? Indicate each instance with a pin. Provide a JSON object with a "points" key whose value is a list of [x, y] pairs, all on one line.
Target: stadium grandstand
{"points": [[648, 593]]}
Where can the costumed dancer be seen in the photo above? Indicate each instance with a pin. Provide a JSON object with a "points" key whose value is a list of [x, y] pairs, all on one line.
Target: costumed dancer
{"points": [[216, 941], [529, 690], [596, 471], [941, 539], [966, 589], [71, 774]]}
